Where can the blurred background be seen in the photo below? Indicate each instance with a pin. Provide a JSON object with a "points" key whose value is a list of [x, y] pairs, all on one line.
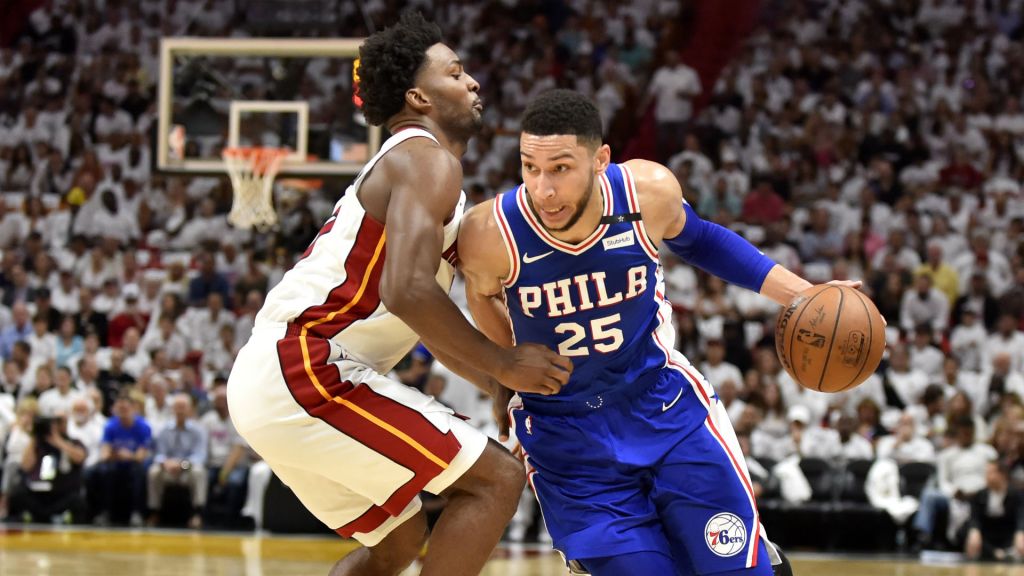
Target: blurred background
{"points": [[880, 140]]}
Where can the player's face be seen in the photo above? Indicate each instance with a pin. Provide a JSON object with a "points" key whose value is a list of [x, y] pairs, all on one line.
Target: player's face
{"points": [[560, 175], [452, 92]]}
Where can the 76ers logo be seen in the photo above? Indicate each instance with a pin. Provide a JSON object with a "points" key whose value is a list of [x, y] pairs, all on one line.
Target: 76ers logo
{"points": [[725, 534]]}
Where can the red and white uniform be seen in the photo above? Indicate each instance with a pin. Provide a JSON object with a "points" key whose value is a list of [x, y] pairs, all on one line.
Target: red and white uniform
{"points": [[307, 390]]}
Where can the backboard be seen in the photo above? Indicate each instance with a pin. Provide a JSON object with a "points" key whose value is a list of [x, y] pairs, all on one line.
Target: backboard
{"points": [[283, 92]]}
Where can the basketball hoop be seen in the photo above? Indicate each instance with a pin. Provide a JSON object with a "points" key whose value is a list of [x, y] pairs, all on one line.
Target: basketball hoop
{"points": [[252, 172]]}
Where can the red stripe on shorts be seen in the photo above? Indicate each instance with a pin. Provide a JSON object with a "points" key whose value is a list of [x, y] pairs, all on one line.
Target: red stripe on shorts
{"points": [[444, 446]]}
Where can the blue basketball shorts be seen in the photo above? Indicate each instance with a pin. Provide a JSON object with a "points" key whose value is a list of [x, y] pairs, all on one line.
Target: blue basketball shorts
{"points": [[659, 469]]}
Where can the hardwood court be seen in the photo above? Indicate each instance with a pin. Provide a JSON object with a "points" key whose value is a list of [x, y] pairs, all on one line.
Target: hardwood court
{"points": [[42, 552]]}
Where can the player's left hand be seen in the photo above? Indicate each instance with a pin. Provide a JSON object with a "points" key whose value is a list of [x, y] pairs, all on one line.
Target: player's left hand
{"points": [[502, 396], [856, 285]]}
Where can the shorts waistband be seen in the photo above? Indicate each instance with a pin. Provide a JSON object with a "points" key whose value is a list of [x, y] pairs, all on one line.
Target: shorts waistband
{"points": [[551, 405]]}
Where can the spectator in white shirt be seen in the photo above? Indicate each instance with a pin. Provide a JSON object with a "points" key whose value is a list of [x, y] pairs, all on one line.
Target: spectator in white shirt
{"points": [[853, 446], [158, 408], [924, 356], [43, 343], [960, 473], [906, 444], [86, 425], [924, 304], [903, 384], [58, 400], [725, 377], [968, 341], [673, 88], [1007, 340]]}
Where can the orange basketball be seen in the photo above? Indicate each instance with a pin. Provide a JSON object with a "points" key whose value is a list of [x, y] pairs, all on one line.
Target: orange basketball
{"points": [[830, 338]]}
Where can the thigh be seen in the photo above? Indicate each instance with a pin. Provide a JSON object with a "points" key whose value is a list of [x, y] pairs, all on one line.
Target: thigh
{"points": [[593, 504], [704, 499], [374, 442], [348, 513]]}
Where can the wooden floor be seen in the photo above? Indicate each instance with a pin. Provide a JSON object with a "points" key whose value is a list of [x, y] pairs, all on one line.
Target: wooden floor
{"points": [[44, 552]]}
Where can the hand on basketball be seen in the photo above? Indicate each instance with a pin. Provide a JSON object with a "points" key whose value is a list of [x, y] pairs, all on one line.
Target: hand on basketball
{"points": [[535, 369], [856, 285]]}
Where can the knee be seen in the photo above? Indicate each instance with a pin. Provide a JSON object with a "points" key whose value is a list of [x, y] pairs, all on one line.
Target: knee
{"points": [[509, 480]]}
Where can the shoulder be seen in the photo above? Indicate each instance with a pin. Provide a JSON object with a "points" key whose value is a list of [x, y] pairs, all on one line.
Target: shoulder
{"points": [[481, 246], [653, 180], [660, 197], [418, 158]]}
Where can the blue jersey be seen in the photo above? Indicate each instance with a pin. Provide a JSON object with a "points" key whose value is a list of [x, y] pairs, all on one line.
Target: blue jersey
{"points": [[636, 453], [599, 302]]}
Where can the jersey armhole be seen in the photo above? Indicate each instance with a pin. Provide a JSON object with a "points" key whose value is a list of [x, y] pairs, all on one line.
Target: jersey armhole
{"points": [[634, 206], [509, 242]]}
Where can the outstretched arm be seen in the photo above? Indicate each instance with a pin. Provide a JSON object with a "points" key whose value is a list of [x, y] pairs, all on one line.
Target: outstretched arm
{"points": [[706, 245]]}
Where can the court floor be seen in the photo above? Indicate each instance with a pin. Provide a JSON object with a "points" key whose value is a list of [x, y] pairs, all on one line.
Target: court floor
{"points": [[45, 552]]}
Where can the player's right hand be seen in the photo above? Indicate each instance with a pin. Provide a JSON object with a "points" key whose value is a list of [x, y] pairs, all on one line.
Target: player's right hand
{"points": [[534, 369]]}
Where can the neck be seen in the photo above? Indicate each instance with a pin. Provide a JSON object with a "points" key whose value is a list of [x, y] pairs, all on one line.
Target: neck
{"points": [[402, 120]]}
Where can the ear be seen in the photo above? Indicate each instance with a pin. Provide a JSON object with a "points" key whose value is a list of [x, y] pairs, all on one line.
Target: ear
{"points": [[417, 100], [602, 157]]}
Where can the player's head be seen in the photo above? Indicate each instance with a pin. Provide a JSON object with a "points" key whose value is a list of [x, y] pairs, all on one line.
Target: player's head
{"points": [[562, 153], [405, 69]]}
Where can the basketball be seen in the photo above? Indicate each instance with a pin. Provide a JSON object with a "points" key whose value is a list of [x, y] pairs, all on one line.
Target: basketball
{"points": [[830, 338]]}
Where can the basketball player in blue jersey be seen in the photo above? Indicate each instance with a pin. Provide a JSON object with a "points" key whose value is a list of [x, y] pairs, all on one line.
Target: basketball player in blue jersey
{"points": [[634, 461]]}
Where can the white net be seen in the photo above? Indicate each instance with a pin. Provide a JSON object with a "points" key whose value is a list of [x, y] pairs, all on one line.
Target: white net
{"points": [[252, 172]]}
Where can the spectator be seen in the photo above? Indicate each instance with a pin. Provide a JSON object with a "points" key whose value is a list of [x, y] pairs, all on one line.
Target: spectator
{"points": [[924, 356], [978, 299], [51, 467], [902, 384], [726, 377], [14, 449], [998, 380], [130, 316], [1007, 340], [179, 458], [207, 282], [906, 444], [995, 530], [158, 410], [924, 305], [961, 475], [123, 453], [672, 88], [944, 277], [822, 242], [967, 341], [19, 329], [228, 454], [58, 400], [86, 425]]}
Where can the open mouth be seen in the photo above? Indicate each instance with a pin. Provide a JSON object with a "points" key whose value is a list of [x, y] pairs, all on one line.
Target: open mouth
{"points": [[554, 214]]}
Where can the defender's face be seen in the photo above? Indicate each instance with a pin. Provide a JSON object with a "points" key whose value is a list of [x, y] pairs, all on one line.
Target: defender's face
{"points": [[452, 91], [559, 175]]}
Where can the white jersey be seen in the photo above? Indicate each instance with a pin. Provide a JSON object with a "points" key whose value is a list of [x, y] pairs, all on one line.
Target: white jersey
{"points": [[333, 292]]}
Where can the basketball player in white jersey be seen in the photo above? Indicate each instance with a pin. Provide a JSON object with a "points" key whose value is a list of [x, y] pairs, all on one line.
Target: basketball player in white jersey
{"points": [[307, 390]]}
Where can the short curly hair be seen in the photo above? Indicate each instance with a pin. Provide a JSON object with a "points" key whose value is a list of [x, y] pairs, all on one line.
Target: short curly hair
{"points": [[388, 63], [563, 112]]}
